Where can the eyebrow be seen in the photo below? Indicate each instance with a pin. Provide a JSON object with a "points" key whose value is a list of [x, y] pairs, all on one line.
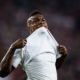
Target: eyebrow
{"points": [[33, 17]]}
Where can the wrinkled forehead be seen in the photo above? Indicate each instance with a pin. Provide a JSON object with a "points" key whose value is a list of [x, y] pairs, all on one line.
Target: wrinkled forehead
{"points": [[38, 16]]}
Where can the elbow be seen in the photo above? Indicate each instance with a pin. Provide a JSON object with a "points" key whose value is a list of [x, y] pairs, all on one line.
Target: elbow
{"points": [[3, 73], [3, 76]]}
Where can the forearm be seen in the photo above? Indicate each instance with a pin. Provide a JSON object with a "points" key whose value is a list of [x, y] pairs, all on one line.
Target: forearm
{"points": [[60, 61], [5, 65]]}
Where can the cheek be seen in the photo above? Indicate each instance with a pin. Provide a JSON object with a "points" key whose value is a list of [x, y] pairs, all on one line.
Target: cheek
{"points": [[45, 23], [28, 24], [35, 24]]}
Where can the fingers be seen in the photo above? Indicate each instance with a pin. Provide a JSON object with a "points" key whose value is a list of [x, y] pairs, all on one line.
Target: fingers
{"points": [[24, 41], [62, 49], [20, 43]]}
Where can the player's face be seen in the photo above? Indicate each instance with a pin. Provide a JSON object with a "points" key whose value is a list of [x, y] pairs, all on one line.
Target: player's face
{"points": [[36, 22]]}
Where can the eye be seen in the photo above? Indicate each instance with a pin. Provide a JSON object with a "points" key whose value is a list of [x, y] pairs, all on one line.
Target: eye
{"points": [[43, 19], [35, 20], [30, 22]]}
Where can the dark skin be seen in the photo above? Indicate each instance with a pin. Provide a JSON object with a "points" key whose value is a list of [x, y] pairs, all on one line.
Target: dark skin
{"points": [[33, 23], [5, 65], [37, 21], [63, 51]]}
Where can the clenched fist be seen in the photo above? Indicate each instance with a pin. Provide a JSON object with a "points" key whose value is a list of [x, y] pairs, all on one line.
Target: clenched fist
{"points": [[19, 43], [62, 50]]}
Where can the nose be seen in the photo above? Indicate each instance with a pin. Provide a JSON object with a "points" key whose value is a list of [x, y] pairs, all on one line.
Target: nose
{"points": [[41, 22]]}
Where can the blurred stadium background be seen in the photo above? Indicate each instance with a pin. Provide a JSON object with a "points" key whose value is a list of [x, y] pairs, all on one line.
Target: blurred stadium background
{"points": [[63, 17]]}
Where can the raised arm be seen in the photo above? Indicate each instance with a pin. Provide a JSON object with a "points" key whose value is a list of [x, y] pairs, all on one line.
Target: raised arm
{"points": [[63, 51], [5, 65]]}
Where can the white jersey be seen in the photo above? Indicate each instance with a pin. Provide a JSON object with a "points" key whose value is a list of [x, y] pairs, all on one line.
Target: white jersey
{"points": [[39, 55]]}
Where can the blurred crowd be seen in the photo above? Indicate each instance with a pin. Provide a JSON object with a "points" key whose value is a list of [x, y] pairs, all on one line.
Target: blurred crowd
{"points": [[63, 17]]}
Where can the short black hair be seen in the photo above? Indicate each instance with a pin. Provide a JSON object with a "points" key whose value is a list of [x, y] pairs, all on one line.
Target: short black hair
{"points": [[35, 13]]}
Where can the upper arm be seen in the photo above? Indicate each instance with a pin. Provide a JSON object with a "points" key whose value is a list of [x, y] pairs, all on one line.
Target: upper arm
{"points": [[60, 61]]}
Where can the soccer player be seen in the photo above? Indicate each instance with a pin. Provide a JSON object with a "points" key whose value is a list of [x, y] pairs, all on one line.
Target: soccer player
{"points": [[39, 54]]}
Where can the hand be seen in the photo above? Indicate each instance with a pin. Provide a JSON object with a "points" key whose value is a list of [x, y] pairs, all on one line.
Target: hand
{"points": [[20, 43], [62, 50]]}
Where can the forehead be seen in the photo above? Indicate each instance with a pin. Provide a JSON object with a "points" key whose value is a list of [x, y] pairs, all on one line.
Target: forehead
{"points": [[38, 16]]}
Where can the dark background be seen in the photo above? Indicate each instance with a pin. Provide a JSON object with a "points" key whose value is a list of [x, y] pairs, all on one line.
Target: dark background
{"points": [[63, 17]]}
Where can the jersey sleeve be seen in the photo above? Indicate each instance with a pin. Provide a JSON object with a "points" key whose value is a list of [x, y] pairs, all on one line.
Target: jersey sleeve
{"points": [[16, 60]]}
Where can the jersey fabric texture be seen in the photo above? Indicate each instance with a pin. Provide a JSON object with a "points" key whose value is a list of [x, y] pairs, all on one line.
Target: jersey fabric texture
{"points": [[39, 55]]}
